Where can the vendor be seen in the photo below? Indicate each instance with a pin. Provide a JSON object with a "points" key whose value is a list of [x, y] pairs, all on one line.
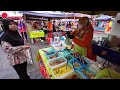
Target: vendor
{"points": [[82, 38]]}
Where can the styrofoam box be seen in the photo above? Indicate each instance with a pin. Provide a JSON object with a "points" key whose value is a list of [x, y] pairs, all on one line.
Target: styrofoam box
{"points": [[55, 66], [57, 47]]}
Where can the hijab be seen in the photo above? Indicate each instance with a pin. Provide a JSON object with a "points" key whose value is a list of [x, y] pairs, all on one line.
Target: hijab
{"points": [[12, 37]]}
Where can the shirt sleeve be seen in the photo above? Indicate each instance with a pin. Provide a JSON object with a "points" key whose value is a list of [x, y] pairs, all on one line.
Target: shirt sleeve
{"points": [[9, 49]]}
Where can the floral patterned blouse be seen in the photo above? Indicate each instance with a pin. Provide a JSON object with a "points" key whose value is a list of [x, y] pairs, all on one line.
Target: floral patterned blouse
{"points": [[15, 55]]}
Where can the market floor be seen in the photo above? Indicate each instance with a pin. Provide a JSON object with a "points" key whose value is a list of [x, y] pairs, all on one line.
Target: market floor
{"points": [[7, 71]]}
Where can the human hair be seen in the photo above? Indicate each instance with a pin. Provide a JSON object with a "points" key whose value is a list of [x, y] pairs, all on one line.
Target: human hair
{"points": [[84, 20], [48, 19]]}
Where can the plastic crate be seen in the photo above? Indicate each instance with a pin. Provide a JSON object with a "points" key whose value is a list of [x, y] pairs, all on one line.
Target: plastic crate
{"points": [[64, 53], [55, 61], [85, 60], [80, 75], [95, 67], [64, 74], [110, 74], [71, 76], [77, 62], [89, 71], [51, 55], [69, 56]]}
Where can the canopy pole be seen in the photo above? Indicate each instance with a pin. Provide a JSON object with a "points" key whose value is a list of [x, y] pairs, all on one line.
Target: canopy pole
{"points": [[24, 18], [65, 21], [92, 16], [74, 22]]}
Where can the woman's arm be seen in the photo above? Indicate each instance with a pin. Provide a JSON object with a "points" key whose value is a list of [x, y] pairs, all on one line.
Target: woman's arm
{"points": [[9, 49]]}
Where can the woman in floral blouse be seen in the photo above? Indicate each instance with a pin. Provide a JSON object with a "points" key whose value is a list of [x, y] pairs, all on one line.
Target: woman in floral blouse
{"points": [[13, 45]]}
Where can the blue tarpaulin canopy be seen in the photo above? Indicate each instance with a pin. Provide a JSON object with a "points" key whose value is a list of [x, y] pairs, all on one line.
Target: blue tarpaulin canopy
{"points": [[104, 17], [40, 15]]}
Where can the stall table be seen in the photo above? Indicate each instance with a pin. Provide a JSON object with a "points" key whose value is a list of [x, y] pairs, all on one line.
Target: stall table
{"points": [[48, 74], [44, 68]]}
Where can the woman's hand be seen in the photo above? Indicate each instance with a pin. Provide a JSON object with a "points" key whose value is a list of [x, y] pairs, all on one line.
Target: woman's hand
{"points": [[25, 47]]}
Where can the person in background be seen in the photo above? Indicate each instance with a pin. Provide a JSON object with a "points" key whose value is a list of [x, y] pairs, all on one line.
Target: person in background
{"points": [[1, 28], [49, 25], [36, 26], [69, 25], [23, 30], [82, 38], [42, 24], [13, 45], [54, 26]]}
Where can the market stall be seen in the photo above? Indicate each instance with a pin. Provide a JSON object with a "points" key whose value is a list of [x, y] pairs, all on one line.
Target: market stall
{"points": [[64, 63], [102, 27], [69, 67], [58, 62]]}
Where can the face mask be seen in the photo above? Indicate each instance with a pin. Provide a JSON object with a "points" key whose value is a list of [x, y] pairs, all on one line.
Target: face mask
{"points": [[80, 26]]}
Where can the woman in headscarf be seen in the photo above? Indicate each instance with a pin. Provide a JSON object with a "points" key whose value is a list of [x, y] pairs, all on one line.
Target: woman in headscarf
{"points": [[82, 37], [13, 45]]}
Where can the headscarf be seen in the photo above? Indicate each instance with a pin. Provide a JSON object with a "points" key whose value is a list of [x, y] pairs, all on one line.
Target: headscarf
{"points": [[12, 37]]}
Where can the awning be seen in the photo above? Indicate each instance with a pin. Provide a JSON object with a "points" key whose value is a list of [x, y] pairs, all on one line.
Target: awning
{"points": [[104, 17], [110, 13], [41, 15], [49, 15]]}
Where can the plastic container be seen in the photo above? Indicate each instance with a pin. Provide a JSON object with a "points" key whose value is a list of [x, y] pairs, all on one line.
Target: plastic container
{"points": [[71, 76], [87, 76], [80, 75], [51, 53], [53, 63], [58, 46], [52, 56], [95, 67], [60, 72], [64, 53], [77, 65], [107, 74], [86, 60], [69, 57]]}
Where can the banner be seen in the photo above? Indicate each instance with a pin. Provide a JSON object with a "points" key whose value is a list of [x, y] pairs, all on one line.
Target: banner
{"points": [[108, 27], [36, 34]]}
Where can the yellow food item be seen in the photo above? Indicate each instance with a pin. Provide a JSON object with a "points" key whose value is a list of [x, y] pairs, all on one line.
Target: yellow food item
{"points": [[61, 71]]}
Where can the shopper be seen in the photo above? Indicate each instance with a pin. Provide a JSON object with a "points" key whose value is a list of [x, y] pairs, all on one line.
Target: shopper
{"points": [[36, 26], [23, 30], [54, 26], [82, 37], [13, 45]]}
